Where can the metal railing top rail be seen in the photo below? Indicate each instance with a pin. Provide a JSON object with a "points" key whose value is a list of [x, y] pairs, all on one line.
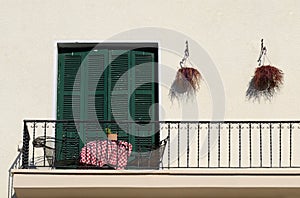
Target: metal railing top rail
{"points": [[167, 121]]}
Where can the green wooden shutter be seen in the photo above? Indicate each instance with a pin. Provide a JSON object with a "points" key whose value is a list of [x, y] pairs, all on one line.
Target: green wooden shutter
{"points": [[128, 70], [119, 89], [96, 92], [69, 104], [143, 98]]}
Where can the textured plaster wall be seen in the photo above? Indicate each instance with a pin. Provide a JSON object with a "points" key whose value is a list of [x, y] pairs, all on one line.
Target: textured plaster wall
{"points": [[229, 31]]}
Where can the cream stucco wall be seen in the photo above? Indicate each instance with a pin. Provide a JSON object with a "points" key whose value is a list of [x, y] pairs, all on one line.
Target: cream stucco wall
{"points": [[229, 31]]}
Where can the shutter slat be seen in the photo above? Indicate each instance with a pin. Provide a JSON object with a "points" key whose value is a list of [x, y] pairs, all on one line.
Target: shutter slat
{"points": [[71, 107], [143, 71], [71, 67], [96, 65], [143, 103], [96, 107], [119, 76]]}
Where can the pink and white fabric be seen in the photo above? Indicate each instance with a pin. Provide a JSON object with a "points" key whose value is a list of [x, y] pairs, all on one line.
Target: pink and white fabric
{"points": [[101, 152]]}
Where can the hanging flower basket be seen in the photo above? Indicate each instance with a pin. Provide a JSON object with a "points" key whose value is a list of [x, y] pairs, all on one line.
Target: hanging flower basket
{"points": [[187, 80], [266, 81], [267, 78]]}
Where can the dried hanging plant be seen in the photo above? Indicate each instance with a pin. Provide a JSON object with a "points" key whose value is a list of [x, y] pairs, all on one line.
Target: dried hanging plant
{"points": [[266, 81], [187, 80]]}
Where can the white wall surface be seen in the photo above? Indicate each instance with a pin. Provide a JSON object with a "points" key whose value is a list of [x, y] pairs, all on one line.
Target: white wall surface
{"points": [[229, 31]]}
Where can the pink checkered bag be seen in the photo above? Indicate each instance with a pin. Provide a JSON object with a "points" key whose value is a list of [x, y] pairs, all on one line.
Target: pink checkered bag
{"points": [[106, 152]]}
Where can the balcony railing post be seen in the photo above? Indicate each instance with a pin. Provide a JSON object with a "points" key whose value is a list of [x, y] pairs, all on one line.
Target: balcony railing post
{"points": [[198, 145], [25, 149], [250, 146], [280, 148], [188, 145], [260, 145], [219, 144], [240, 145], [178, 149], [291, 152], [271, 147], [208, 145], [229, 145], [169, 147], [45, 134], [33, 137]]}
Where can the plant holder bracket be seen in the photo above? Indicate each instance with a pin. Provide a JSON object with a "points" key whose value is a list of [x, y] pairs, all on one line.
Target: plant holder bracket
{"points": [[186, 54], [263, 54]]}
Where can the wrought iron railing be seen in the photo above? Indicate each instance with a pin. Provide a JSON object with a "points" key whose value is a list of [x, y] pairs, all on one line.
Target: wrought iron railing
{"points": [[15, 165], [186, 144]]}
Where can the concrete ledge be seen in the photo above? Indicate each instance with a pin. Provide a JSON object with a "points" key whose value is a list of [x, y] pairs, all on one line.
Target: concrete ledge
{"points": [[195, 183], [202, 171]]}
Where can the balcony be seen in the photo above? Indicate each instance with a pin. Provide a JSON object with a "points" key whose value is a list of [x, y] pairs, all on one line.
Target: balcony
{"points": [[163, 158]]}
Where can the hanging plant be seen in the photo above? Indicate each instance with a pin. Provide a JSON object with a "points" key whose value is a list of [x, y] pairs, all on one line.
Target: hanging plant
{"points": [[187, 80], [267, 79], [110, 135]]}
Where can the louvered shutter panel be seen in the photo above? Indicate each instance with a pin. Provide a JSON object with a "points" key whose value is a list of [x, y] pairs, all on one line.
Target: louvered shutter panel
{"points": [[97, 100], [69, 105], [143, 98], [119, 78]]}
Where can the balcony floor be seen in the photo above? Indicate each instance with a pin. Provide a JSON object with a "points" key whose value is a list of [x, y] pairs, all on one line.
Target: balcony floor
{"points": [[208, 183]]}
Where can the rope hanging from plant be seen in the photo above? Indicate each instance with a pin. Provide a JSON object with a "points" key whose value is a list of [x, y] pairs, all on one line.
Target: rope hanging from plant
{"points": [[267, 79], [187, 80]]}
